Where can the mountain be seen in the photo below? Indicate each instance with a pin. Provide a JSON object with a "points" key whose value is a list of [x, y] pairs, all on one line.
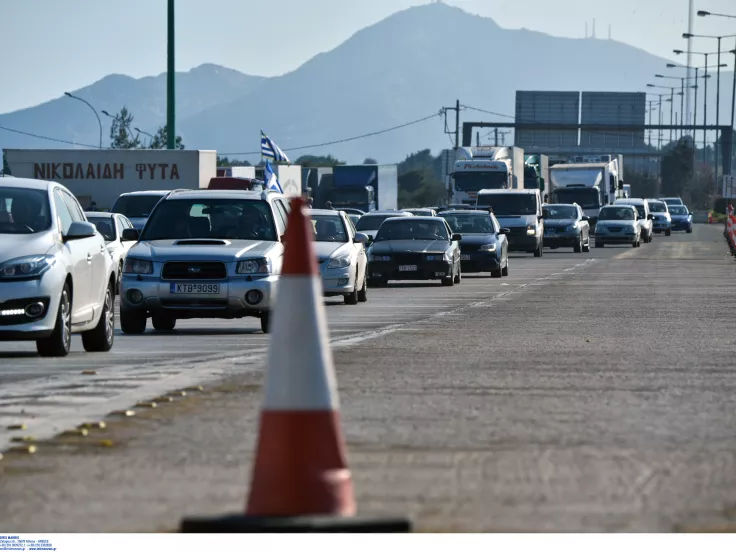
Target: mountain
{"points": [[196, 90], [401, 69]]}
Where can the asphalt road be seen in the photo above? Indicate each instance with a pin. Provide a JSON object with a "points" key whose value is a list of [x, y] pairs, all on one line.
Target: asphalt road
{"points": [[588, 392]]}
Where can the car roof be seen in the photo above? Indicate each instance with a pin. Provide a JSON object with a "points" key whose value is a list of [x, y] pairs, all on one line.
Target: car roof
{"points": [[618, 205], [631, 201], [560, 205], [415, 218], [146, 192], [466, 212], [650, 200], [388, 212], [328, 212], [509, 191], [32, 183], [100, 214], [204, 193]]}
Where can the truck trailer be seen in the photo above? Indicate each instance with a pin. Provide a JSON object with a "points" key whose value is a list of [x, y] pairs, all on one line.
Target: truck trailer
{"points": [[486, 167], [100, 176], [536, 174], [364, 187]]}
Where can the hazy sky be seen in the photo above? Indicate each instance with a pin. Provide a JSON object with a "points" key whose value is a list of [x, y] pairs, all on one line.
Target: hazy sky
{"points": [[49, 46]]}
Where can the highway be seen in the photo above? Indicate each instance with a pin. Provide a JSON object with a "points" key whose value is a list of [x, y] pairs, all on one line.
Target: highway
{"points": [[585, 392]]}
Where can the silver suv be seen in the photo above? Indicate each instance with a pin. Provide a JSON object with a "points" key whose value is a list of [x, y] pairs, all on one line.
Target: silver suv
{"points": [[204, 254]]}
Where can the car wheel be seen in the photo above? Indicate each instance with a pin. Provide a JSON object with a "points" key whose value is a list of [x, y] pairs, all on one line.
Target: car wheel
{"points": [[497, 273], [59, 342], [377, 282], [102, 337], [132, 321], [689, 230], [352, 297], [505, 269], [265, 322], [448, 281], [363, 293], [459, 275], [163, 323], [539, 251], [668, 232], [578, 247]]}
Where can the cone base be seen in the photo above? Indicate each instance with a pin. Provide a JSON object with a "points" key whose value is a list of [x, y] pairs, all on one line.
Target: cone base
{"points": [[306, 524]]}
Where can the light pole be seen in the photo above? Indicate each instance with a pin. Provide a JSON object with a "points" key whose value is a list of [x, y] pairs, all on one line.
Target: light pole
{"points": [[672, 100], [139, 131], [99, 122], [170, 81], [682, 96]]}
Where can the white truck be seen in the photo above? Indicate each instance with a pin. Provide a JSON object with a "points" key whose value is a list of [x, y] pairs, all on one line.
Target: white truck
{"points": [[100, 176], [591, 182], [485, 167]]}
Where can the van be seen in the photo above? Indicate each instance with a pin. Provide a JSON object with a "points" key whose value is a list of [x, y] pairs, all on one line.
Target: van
{"points": [[520, 211]]}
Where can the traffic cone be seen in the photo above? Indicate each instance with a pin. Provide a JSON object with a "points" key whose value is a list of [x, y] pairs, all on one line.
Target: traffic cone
{"points": [[300, 481]]}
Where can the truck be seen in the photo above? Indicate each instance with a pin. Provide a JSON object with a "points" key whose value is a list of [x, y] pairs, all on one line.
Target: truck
{"points": [[315, 183], [485, 167], [590, 181], [101, 176], [237, 172], [536, 174], [364, 187]]}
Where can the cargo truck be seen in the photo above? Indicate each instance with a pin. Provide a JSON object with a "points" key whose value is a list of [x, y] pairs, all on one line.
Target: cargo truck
{"points": [[536, 174], [363, 187], [101, 176], [485, 167], [591, 182]]}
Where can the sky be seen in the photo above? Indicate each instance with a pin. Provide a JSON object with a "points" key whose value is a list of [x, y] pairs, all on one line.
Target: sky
{"points": [[52, 46]]}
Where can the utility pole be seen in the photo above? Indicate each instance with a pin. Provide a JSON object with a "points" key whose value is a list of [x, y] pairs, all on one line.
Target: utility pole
{"points": [[733, 107], [682, 109], [495, 141], [718, 110], [457, 122], [705, 113], [477, 139], [672, 110], [170, 81], [650, 122]]}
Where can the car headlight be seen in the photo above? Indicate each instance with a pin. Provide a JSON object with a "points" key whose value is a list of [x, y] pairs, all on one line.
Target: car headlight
{"points": [[531, 230], [254, 266], [447, 257], [631, 230], [138, 266], [600, 229], [572, 227], [29, 267], [488, 247], [379, 258], [339, 262]]}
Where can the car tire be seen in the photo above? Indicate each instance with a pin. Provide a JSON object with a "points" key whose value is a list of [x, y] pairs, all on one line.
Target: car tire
{"points": [[578, 247], [133, 321], [668, 232], [689, 230], [363, 293], [163, 323], [505, 269], [539, 251], [448, 281], [497, 273], [59, 343], [101, 338], [266, 322], [119, 279], [352, 297], [459, 275]]}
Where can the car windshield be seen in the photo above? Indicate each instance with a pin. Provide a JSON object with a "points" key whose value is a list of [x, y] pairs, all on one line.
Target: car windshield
{"points": [[657, 207], [504, 204], [557, 212], [135, 206], [475, 181], [354, 219], [408, 229], [24, 211], [238, 219], [105, 226], [469, 224], [639, 208], [587, 198], [371, 222], [616, 213], [329, 229], [672, 201], [678, 210]]}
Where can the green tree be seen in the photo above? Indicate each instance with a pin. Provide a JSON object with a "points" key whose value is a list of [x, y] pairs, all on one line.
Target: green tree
{"points": [[160, 140], [227, 162], [678, 167], [420, 188], [6, 167], [318, 161], [370, 161], [121, 135]]}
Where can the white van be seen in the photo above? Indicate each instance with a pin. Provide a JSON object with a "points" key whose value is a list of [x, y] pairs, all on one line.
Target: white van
{"points": [[645, 216]]}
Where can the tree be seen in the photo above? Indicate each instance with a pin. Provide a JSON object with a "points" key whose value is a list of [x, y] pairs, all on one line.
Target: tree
{"points": [[227, 162], [370, 161], [6, 167], [420, 188], [160, 140], [318, 161], [678, 167], [121, 136]]}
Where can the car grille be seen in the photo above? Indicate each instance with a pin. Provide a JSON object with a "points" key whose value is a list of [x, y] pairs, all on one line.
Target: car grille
{"points": [[615, 228], [469, 247], [191, 270], [518, 231], [408, 258]]}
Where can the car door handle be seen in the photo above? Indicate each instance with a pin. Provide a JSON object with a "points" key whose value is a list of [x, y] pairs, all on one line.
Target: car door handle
{"points": [[89, 257]]}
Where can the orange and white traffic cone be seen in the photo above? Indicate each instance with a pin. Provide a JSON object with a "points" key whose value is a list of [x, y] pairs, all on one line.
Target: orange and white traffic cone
{"points": [[301, 481]]}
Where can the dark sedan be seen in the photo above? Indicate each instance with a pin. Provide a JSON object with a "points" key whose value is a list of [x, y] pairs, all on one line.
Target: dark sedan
{"points": [[565, 225], [484, 247], [415, 248], [682, 219]]}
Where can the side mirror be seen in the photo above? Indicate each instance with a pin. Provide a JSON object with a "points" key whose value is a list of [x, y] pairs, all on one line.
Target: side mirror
{"points": [[541, 217], [457, 237], [361, 238], [650, 216], [130, 234], [505, 231], [586, 218], [80, 231]]}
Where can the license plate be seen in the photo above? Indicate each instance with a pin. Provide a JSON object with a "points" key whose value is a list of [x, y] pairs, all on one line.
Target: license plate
{"points": [[407, 268], [549, 230], [195, 288], [464, 257]]}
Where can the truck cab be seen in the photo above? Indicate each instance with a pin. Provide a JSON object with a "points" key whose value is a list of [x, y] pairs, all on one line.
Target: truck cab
{"points": [[355, 197]]}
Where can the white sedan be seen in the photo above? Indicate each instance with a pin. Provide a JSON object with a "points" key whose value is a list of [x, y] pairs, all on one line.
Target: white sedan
{"points": [[56, 276], [342, 256], [111, 226]]}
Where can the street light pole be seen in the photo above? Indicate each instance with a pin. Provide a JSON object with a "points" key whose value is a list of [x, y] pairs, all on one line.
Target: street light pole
{"points": [[705, 113], [733, 107], [682, 108], [695, 108], [170, 82], [718, 109], [99, 121]]}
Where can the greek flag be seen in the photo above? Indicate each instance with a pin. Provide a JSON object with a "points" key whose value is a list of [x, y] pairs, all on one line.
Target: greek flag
{"points": [[270, 178], [271, 150]]}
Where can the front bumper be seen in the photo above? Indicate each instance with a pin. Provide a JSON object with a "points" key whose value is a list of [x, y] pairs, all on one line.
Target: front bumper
{"points": [[479, 261], [524, 243], [338, 281], [682, 225], [230, 302], [616, 238], [15, 296], [562, 239], [425, 270], [661, 225]]}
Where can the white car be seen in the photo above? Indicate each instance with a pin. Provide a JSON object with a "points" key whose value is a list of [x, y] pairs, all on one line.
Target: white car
{"points": [[341, 255], [645, 217], [111, 226], [56, 275]]}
